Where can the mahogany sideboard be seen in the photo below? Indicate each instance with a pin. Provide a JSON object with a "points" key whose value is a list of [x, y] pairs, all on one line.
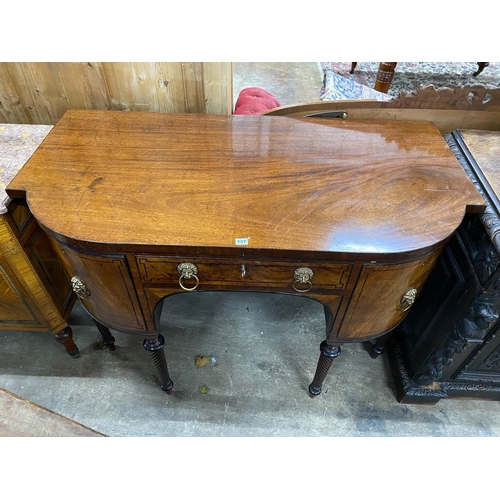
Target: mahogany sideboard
{"points": [[351, 213], [35, 293]]}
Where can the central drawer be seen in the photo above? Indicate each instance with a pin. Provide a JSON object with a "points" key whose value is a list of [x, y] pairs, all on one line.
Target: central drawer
{"points": [[248, 273]]}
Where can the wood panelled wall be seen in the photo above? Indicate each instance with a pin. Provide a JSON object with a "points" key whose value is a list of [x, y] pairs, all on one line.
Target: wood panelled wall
{"points": [[40, 92]]}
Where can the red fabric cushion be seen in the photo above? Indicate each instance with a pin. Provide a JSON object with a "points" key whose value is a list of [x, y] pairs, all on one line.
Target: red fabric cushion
{"points": [[255, 101]]}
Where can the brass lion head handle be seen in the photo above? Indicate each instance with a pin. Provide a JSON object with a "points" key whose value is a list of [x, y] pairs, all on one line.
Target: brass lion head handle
{"points": [[79, 287], [407, 299], [188, 271], [303, 276]]}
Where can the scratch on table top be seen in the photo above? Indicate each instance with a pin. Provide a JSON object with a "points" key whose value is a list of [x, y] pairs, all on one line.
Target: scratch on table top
{"points": [[293, 225], [305, 202], [283, 220]]}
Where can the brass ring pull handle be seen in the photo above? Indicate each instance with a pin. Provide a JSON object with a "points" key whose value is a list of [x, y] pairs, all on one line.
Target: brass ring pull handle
{"points": [[188, 271], [79, 287], [299, 289], [303, 276], [407, 299]]}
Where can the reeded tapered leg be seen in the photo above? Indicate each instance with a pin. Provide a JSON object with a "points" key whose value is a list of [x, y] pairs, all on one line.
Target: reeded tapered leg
{"points": [[107, 339], [155, 347], [65, 338], [328, 354]]}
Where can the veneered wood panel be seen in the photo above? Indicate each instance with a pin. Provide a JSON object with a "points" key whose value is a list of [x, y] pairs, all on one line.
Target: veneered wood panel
{"points": [[243, 273], [119, 306], [22, 271], [13, 307], [373, 309]]}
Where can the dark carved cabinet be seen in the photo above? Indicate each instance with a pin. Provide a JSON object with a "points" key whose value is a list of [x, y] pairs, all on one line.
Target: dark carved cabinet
{"points": [[449, 344]]}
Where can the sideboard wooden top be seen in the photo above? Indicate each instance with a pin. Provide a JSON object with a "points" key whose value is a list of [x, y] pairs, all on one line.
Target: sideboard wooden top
{"points": [[193, 180]]}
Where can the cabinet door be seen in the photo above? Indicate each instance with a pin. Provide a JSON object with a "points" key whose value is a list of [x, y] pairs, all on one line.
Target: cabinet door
{"points": [[111, 297], [375, 307]]}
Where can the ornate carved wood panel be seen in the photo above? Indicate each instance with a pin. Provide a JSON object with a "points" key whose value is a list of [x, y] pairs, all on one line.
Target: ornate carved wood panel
{"points": [[455, 352]]}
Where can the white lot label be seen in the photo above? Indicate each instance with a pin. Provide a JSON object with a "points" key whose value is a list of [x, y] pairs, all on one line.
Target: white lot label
{"points": [[241, 241]]}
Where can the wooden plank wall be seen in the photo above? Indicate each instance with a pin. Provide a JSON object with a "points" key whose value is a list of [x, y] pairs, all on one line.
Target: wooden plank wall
{"points": [[40, 92]]}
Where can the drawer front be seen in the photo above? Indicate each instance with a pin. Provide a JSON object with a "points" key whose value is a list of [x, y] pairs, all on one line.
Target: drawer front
{"points": [[219, 272]]}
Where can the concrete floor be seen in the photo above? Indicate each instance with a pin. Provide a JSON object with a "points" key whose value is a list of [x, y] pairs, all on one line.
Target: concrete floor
{"points": [[264, 349]]}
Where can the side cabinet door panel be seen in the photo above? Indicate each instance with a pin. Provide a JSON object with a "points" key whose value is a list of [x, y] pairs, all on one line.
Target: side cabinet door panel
{"points": [[375, 306], [112, 298]]}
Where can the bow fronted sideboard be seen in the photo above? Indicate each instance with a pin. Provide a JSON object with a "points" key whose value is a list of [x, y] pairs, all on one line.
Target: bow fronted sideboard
{"points": [[351, 213]]}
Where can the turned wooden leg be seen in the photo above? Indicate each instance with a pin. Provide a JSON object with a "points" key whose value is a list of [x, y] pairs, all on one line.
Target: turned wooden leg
{"points": [[378, 347], [155, 347], [65, 338], [384, 76], [480, 67], [328, 354], [107, 339], [353, 67]]}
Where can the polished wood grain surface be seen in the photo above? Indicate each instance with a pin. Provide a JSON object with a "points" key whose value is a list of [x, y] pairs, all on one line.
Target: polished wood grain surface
{"points": [[485, 149], [204, 180]]}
